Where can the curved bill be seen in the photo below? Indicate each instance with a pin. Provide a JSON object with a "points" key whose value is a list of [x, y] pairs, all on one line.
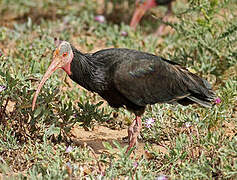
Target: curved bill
{"points": [[53, 66], [140, 11]]}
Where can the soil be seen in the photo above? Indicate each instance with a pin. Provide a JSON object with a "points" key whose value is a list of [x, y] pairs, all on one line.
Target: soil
{"points": [[101, 134]]}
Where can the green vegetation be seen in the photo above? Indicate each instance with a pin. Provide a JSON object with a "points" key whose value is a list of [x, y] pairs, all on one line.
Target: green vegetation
{"points": [[199, 143]]}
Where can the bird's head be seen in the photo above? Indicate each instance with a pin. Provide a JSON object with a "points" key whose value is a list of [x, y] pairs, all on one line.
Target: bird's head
{"points": [[62, 58], [141, 7]]}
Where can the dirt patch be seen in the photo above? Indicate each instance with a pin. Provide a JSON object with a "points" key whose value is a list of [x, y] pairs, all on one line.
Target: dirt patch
{"points": [[101, 134]]}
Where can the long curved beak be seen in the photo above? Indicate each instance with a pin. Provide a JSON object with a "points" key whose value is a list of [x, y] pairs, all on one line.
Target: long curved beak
{"points": [[53, 66], [140, 11]]}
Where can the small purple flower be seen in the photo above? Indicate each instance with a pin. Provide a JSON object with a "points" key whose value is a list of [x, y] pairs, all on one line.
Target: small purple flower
{"points": [[188, 124], [161, 177], [135, 164], [69, 149], [124, 33], [149, 122], [217, 100], [2, 88], [99, 18]]}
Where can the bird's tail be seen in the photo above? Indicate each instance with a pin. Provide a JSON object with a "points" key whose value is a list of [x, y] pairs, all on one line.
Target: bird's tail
{"points": [[200, 91]]}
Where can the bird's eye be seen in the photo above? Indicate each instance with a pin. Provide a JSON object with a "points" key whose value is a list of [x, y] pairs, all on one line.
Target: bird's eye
{"points": [[64, 54]]}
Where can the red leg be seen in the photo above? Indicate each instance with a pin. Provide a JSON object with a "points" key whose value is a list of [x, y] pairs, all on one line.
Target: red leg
{"points": [[134, 131], [165, 19]]}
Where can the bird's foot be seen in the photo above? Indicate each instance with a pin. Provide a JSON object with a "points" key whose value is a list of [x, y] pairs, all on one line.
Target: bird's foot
{"points": [[160, 30], [133, 132], [126, 140]]}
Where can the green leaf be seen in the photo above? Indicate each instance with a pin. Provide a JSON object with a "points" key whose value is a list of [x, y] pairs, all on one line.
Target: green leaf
{"points": [[53, 130], [107, 145]]}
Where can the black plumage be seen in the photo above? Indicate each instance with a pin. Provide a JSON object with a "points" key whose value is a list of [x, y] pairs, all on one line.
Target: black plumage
{"points": [[163, 2], [130, 78]]}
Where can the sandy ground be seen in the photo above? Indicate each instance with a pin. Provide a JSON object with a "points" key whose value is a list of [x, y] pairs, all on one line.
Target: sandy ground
{"points": [[101, 134]]}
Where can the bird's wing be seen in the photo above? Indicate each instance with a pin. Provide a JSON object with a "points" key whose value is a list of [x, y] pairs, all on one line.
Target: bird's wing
{"points": [[150, 80]]}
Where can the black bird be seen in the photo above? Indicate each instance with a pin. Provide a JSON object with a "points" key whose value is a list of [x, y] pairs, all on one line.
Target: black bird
{"points": [[130, 78], [144, 5]]}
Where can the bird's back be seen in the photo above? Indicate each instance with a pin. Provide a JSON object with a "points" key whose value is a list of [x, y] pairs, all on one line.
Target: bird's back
{"points": [[144, 78], [131, 78]]}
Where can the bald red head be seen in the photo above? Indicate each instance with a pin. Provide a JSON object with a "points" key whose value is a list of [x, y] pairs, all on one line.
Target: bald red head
{"points": [[62, 58]]}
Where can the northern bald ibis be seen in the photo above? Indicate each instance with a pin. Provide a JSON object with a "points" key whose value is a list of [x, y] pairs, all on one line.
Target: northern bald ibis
{"points": [[130, 78]]}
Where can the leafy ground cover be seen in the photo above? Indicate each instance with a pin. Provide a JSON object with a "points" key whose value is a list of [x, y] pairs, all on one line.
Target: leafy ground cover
{"points": [[55, 141]]}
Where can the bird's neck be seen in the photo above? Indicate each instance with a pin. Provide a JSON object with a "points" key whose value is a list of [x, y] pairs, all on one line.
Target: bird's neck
{"points": [[82, 69]]}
